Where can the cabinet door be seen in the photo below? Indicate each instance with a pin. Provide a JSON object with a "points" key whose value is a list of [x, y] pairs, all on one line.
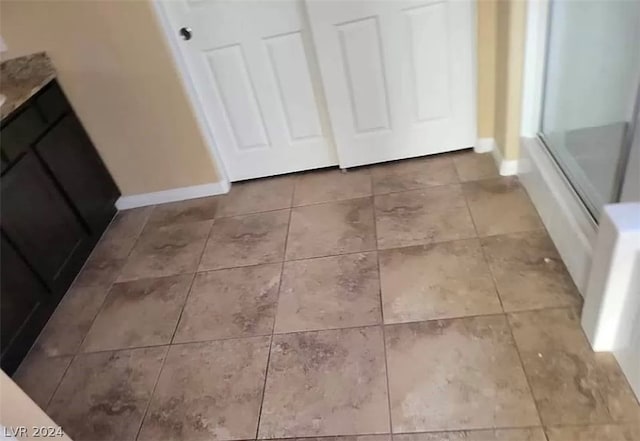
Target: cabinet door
{"points": [[68, 152], [40, 222], [24, 307]]}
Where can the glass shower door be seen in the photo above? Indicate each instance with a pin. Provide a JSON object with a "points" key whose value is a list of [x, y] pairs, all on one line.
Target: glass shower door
{"points": [[591, 85]]}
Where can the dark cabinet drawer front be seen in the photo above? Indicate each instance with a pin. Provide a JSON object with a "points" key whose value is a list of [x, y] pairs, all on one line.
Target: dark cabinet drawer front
{"points": [[21, 132], [69, 154], [52, 103], [38, 219]]}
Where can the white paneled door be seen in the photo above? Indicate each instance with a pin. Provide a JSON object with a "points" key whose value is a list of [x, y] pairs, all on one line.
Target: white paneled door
{"points": [[398, 76], [390, 79], [254, 71]]}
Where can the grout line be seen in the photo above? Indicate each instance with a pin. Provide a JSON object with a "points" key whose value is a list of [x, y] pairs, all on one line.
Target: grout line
{"points": [[264, 384], [445, 431], [195, 273], [506, 318], [373, 194], [304, 331], [153, 391], [483, 253], [384, 337], [273, 327], [55, 389], [524, 370], [175, 330]]}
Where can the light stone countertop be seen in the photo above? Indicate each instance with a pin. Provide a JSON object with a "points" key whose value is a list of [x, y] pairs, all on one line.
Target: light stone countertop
{"points": [[23, 77]]}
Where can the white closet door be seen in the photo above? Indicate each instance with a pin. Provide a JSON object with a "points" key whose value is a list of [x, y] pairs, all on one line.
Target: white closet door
{"points": [[398, 76], [253, 66]]}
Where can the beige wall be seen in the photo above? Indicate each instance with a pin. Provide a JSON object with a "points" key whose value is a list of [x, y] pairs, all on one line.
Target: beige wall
{"points": [[486, 54], [115, 68], [501, 33], [510, 27]]}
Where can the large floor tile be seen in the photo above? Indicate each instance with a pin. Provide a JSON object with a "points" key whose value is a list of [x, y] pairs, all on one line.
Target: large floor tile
{"points": [[326, 383], [531, 434], [456, 374], [238, 302], [331, 185], [167, 251], [103, 396], [332, 228], [329, 292], [472, 166], [607, 432], [422, 216], [71, 320], [38, 375], [246, 240], [529, 272], [571, 383], [500, 206], [139, 313], [411, 174], [435, 281], [121, 235], [208, 391], [191, 210], [258, 195]]}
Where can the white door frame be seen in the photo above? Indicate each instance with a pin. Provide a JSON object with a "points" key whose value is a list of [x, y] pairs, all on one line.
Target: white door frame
{"points": [[171, 38]]}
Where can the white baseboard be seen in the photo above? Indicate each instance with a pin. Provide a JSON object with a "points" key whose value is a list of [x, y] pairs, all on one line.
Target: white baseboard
{"points": [[484, 145], [173, 195], [505, 167], [570, 225]]}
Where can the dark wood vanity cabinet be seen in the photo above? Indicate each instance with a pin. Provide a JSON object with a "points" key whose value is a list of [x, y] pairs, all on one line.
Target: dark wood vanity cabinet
{"points": [[25, 306], [68, 153], [57, 199]]}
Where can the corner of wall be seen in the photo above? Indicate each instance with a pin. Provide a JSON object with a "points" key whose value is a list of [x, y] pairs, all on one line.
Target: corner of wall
{"points": [[510, 29]]}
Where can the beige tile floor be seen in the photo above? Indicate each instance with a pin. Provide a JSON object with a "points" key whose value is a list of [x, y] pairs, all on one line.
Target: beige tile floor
{"points": [[420, 300]]}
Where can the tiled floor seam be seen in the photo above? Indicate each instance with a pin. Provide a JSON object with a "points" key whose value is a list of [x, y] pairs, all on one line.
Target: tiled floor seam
{"points": [[495, 285], [195, 274], [166, 354], [273, 327], [53, 394], [153, 391], [384, 338], [275, 334], [484, 254], [524, 371], [390, 433], [372, 195]]}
